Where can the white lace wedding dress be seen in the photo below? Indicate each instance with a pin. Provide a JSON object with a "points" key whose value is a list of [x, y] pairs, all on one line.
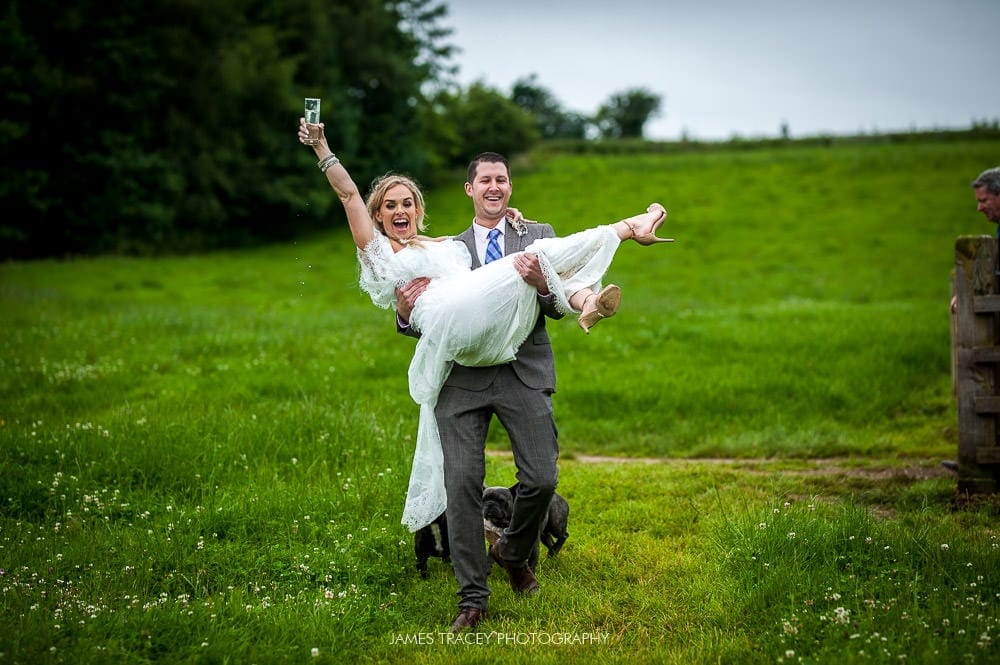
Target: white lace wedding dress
{"points": [[476, 318]]}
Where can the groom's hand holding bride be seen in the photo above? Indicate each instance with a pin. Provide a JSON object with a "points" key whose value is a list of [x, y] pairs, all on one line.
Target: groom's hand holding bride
{"points": [[406, 297], [528, 267]]}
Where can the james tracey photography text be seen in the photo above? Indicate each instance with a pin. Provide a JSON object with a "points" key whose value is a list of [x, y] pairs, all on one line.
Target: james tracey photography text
{"points": [[499, 639]]}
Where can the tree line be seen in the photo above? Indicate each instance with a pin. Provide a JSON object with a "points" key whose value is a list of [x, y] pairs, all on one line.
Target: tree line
{"points": [[150, 126]]}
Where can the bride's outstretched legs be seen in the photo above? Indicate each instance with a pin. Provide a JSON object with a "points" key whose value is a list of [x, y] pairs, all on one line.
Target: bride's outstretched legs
{"points": [[642, 228], [595, 306]]}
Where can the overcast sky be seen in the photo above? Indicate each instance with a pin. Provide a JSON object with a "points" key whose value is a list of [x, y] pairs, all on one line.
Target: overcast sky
{"points": [[724, 67]]}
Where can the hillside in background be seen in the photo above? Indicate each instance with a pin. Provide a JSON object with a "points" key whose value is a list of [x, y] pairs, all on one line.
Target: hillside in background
{"points": [[802, 310]]}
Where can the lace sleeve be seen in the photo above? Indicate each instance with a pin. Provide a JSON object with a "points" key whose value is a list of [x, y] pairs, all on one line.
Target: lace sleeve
{"points": [[375, 274]]}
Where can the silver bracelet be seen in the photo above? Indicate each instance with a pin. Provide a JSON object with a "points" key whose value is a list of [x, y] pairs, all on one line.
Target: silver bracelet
{"points": [[327, 162]]}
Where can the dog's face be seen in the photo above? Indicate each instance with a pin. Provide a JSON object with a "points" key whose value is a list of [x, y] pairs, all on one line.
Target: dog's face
{"points": [[498, 506]]}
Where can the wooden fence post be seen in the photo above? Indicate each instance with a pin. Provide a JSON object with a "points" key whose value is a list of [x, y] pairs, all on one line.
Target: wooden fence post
{"points": [[976, 358]]}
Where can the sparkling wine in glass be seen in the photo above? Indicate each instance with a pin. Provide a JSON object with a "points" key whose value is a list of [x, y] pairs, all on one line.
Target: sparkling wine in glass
{"points": [[312, 120]]}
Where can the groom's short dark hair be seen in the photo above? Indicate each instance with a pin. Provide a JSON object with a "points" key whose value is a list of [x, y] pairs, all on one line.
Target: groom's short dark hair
{"points": [[491, 157]]}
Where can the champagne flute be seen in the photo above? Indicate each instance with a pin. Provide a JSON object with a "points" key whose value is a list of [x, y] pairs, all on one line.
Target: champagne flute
{"points": [[312, 120]]}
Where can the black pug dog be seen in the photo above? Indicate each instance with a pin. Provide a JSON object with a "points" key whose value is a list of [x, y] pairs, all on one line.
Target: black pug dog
{"points": [[498, 505], [431, 540]]}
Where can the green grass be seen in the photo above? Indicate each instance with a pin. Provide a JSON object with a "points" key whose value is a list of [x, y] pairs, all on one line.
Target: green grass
{"points": [[203, 459]]}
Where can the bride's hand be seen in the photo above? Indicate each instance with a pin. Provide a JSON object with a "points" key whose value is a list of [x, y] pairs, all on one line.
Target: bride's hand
{"points": [[515, 215], [304, 133]]}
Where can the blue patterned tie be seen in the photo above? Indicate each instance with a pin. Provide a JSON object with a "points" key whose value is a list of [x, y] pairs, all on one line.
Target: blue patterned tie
{"points": [[493, 247]]}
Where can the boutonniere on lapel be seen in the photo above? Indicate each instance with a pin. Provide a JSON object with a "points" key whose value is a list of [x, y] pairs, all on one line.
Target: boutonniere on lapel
{"points": [[517, 221]]}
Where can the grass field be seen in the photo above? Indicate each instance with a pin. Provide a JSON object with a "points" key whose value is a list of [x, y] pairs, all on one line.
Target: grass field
{"points": [[203, 458]]}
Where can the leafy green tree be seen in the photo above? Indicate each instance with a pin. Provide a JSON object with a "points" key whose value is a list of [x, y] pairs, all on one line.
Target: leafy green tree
{"points": [[480, 118], [169, 125], [626, 113], [553, 122]]}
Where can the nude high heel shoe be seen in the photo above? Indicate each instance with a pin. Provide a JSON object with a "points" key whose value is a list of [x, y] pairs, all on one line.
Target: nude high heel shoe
{"points": [[649, 237], [605, 304]]}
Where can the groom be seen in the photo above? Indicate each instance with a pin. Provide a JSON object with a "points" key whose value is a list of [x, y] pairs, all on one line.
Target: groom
{"points": [[518, 393]]}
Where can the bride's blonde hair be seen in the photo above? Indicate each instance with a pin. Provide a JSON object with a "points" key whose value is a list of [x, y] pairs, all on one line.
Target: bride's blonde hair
{"points": [[376, 196]]}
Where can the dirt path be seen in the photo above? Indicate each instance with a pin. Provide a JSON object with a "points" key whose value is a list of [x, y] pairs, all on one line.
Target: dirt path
{"points": [[921, 469]]}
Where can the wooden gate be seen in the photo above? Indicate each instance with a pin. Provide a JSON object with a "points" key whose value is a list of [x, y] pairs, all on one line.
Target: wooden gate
{"points": [[975, 343]]}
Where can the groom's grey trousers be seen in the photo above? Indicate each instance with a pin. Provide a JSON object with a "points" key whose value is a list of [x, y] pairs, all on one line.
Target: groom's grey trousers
{"points": [[463, 418]]}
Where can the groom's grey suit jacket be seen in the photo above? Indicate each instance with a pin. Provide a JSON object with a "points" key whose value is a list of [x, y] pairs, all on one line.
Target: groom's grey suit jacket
{"points": [[533, 364]]}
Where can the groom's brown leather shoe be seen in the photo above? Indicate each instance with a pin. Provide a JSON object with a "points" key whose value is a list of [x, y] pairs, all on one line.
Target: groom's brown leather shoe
{"points": [[468, 618], [522, 580]]}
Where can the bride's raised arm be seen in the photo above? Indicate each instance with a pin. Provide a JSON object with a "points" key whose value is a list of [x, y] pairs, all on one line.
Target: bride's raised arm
{"points": [[362, 228]]}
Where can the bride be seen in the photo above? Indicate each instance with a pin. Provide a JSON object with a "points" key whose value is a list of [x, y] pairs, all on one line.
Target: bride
{"points": [[476, 318]]}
